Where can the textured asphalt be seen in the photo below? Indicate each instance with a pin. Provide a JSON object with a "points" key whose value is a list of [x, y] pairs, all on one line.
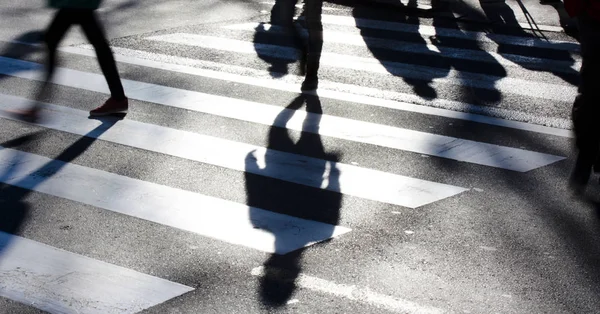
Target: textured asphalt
{"points": [[513, 243]]}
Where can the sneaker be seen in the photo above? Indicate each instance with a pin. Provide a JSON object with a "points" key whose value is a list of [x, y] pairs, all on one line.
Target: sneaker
{"points": [[111, 106]]}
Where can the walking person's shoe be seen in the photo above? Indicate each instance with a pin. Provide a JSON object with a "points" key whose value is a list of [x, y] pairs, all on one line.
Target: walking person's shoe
{"points": [[310, 84], [311, 78], [111, 106], [580, 175]]}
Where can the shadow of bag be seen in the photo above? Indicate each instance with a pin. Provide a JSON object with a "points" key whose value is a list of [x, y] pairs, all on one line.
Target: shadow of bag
{"points": [[75, 4]]}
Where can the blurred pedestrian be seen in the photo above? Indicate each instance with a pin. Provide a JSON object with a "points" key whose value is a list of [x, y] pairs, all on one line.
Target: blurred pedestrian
{"points": [[586, 108], [312, 14], [80, 12], [282, 14]]}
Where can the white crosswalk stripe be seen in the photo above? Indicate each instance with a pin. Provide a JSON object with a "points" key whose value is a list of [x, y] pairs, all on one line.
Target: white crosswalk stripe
{"points": [[69, 283], [506, 59], [62, 274], [506, 84]]}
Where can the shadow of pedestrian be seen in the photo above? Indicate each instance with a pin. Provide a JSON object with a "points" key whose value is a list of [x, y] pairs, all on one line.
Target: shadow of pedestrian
{"points": [[22, 46], [13, 212], [277, 283], [396, 49], [15, 185], [473, 88], [568, 23], [282, 32], [556, 61]]}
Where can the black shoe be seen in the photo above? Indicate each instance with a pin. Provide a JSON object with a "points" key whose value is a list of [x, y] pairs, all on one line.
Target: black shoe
{"points": [[580, 175], [310, 84]]}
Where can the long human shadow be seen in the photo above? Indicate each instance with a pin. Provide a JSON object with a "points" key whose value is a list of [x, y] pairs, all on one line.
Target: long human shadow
{"points": [[13, 205], [547, 202], [559, 62], [21, 46], [278, 282], [383, 44], [470, 91]]}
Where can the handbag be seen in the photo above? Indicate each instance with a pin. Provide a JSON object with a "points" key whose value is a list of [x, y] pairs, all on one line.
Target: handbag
{"points": [[75, 4]]}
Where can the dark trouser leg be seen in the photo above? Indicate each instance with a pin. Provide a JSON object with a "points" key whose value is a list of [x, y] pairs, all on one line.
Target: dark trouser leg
{"points": [[95, 34], [586, 110], [56, 31], [313, 11]]}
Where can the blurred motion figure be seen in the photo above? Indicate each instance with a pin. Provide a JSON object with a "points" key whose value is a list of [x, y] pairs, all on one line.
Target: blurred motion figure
{"points": [[80, 12], [586, 108], [283, 14]]}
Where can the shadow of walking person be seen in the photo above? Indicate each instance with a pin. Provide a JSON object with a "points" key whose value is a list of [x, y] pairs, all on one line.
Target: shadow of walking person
{"points": [[559, 62], [478, 73], [23, 45], [16, 184], [13, 212], [395, 49], [280, 31], [280, 272], [501, 15], [283, 29]]}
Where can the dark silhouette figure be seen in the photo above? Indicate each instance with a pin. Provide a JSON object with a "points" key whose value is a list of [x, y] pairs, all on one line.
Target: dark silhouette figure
{"points": [[500, 14], [277, 284], [282, 18], [586, 111], [503, 19], [568, 24], [401, 63], [282, 15], [13, 207], [471, 91], [63, 20], [21, 45], [13, 211]]}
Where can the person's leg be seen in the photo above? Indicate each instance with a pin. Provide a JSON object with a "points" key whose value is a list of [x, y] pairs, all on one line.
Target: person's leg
{"points": [[61, 22], [313, 11], [94, 33], [117, 103], [586, 110]]}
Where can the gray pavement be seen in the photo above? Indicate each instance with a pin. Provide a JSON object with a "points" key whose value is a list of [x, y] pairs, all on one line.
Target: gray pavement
{"points": [[408, 107]]}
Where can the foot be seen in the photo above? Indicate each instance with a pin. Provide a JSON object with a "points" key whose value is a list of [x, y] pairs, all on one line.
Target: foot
{"points": [[580, 176], [310, 84], [111, 106], [29, 115]]}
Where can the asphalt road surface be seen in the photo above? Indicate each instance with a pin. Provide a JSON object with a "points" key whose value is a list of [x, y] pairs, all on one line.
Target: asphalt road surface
{"points": [[426, 175]]}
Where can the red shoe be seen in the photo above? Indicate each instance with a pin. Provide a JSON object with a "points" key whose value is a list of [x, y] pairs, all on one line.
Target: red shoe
{"points": [[111, 106]]}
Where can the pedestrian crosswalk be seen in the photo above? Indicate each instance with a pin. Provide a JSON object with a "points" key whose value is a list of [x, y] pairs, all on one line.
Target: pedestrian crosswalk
{"points": [[51, 279]]}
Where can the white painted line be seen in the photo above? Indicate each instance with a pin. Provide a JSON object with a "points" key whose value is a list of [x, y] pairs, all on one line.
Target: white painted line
{"points": [[429, 48], [58, 281], [207, 216], [325, 8], [358, 131], [299, 6], [507, 85], [545, 28], [336, 177], [345, 92], [350, 292], [426, 31]]}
